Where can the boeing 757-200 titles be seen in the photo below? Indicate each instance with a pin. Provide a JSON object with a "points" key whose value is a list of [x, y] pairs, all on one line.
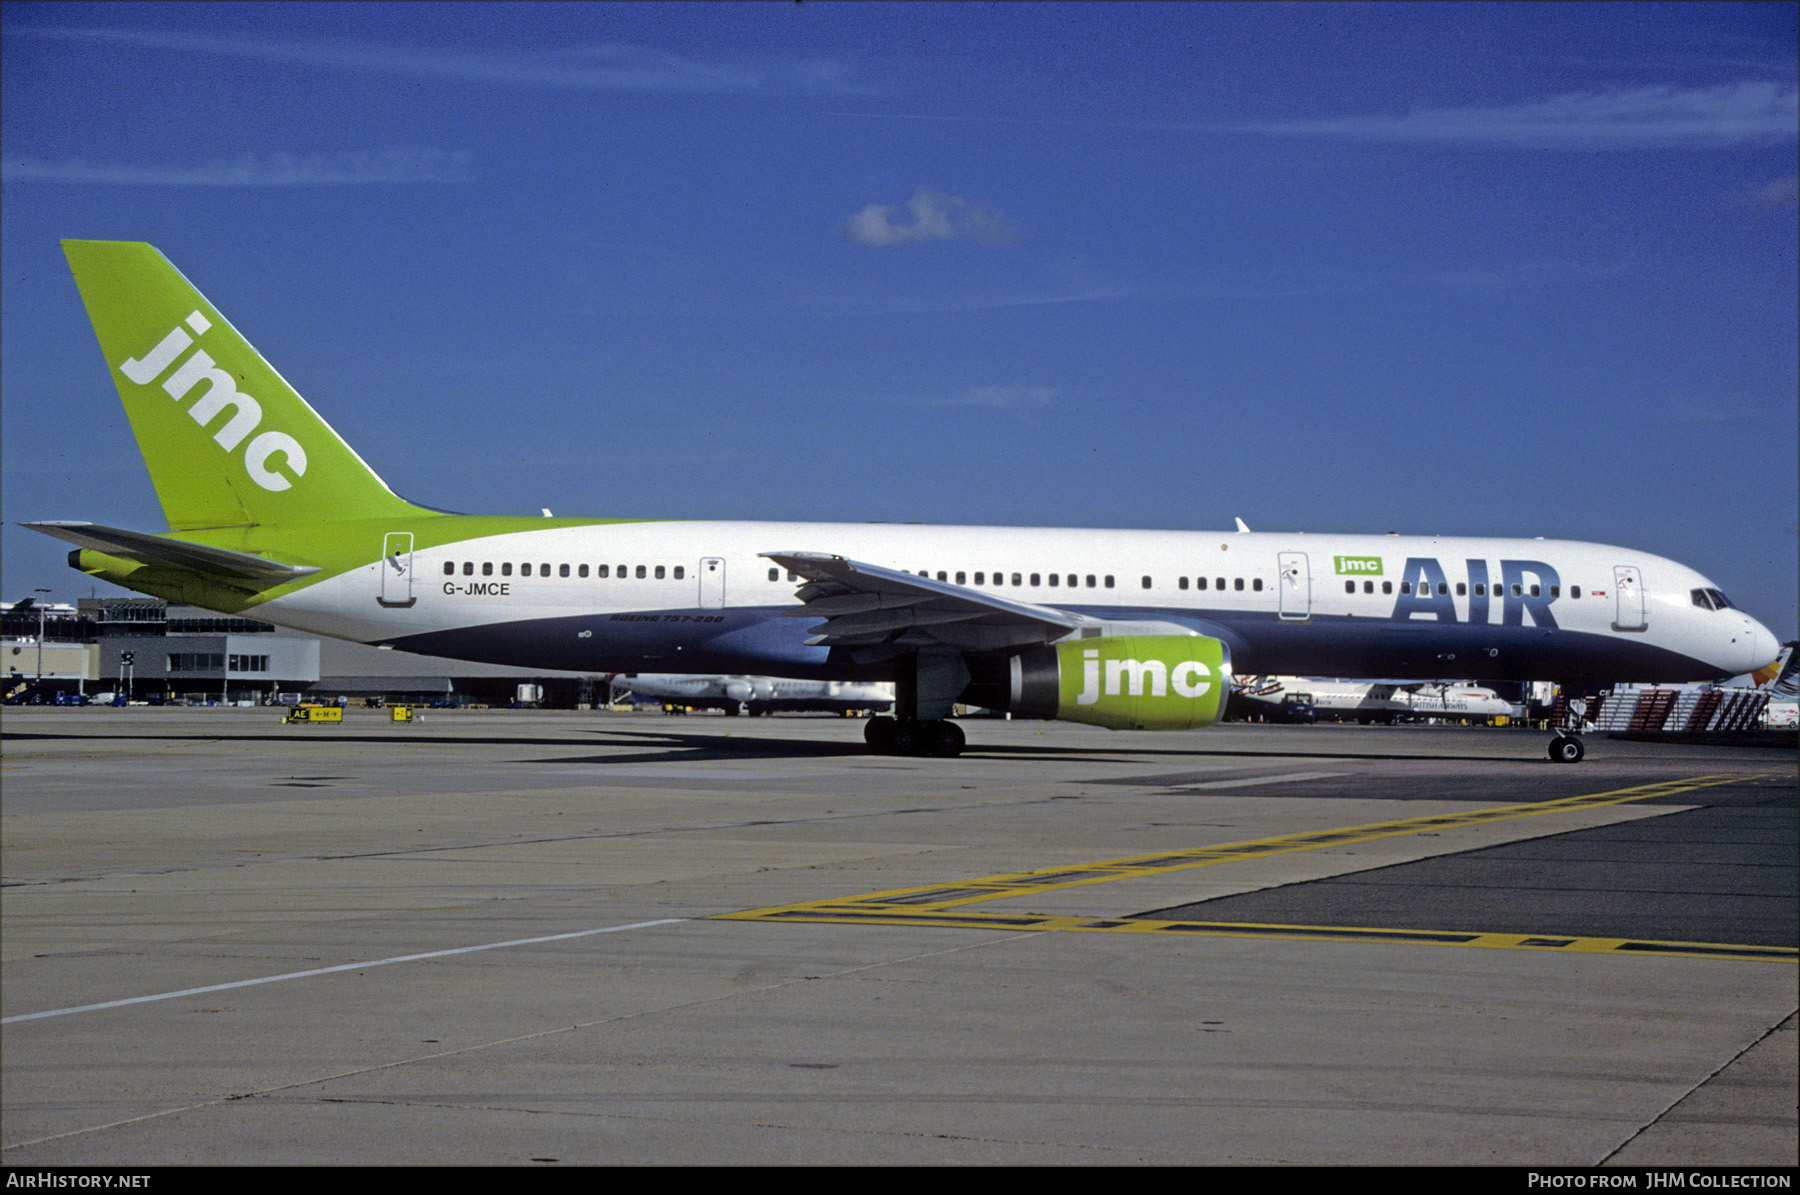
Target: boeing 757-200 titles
{"points": [[270, 511]]}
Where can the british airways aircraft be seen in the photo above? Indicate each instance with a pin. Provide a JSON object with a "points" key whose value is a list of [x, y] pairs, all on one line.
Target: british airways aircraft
{"points": [[270, 511], [755, 695], [1375, 701]]}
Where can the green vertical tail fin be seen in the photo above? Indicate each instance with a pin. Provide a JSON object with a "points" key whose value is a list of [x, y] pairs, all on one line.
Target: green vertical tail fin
{"points": [[227, 441]]}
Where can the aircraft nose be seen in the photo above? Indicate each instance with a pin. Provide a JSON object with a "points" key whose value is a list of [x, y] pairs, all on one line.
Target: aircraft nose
{"points": [[1759, 645]]}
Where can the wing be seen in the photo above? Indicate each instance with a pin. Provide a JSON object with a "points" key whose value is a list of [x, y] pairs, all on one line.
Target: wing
{"points": [[875, 613]]}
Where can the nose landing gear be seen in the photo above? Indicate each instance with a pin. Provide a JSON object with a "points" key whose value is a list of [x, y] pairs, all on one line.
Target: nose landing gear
{"points": [[1567, 719], [1566, 748]]}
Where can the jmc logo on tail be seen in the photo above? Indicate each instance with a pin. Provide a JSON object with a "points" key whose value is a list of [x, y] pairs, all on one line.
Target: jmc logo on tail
{"points": [[261, 454]]}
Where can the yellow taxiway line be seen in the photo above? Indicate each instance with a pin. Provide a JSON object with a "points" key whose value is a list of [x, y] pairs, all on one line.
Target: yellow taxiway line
{"points": [[942, 905]]}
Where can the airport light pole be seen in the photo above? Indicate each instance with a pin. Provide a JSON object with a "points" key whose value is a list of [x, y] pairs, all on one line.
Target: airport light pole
{"points": [[40, 677]]}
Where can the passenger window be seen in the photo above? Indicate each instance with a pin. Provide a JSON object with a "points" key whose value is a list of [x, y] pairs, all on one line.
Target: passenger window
{"points": [[1257, 584], [487, 568], [1556, 591], [1109, 581], [603, 572], [562, 570], [1368, 587], [1349, 586], [1237, 583], [1534, 591], [449, 568], [774, 574], [1574, 591], [1016, 580], [524, 570], [1054, 579], [1090, 580], [1516, 591], [659, 572], [468, 568], [506, 568], [1462, 590], [1146, 582], [680, 572], [640, 572], [582, 570], [1406, 587], [1036, 578], [961, 578], [942, 575], [980, 578], [1387, 587], [1443, 589]]}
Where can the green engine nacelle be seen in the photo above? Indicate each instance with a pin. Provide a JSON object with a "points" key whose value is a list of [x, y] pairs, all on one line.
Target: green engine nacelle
{"points": [[1132, 682]]}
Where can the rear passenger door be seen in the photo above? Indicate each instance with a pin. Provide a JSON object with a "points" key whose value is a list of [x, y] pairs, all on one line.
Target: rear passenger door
{"points": [[712, 583]]}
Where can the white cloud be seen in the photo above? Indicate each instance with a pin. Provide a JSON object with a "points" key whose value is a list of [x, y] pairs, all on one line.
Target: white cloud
{"points": [[1634, 118], [1691, 410], [929, 216], [601, 67], [404, 165], [998, 398], [1774, 195]]}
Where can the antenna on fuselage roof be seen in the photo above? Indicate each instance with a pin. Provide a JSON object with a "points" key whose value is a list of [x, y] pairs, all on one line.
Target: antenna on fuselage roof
{"points": [[1243, 527]]}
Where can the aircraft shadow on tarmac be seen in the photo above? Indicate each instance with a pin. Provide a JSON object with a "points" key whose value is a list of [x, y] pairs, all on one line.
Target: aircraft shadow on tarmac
{"points": [[688, 746]]}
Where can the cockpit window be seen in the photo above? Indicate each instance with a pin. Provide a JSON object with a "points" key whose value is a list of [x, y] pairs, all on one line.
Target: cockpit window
{"points": [[1720, 601], [1710, 599], [1700, 599]]}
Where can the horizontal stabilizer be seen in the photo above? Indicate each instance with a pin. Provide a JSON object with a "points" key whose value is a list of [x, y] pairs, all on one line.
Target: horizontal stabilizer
{"points": [[174, 553]]}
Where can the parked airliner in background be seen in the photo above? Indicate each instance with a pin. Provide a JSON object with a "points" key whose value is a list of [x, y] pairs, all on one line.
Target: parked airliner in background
{"points": [[1374, 701], [269, 510], [755, 695]]}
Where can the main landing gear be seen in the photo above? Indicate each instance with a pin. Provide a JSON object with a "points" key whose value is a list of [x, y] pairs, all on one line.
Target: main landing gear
{"points": [[925, 691], [909, 736]]}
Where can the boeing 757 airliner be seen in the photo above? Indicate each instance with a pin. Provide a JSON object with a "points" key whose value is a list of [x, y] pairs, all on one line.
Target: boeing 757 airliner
{"points": [[270, 511]]}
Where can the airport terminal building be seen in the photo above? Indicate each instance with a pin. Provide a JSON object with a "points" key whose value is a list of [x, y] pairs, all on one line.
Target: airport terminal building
{"points": [[155, 651]]}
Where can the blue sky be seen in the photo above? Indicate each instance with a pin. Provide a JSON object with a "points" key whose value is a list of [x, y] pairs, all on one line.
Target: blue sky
{"points": [[1506, 269]]}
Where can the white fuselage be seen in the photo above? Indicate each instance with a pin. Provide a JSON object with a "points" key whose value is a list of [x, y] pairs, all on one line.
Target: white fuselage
{"points": [[695, 596]]}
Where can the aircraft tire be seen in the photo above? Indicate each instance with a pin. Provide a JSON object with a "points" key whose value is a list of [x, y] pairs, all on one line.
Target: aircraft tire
{"points": [[1566, 749], [943, 738], [879, 734], [905, 738]]}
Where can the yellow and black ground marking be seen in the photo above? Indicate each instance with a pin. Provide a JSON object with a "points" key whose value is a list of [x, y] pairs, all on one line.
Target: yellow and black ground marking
{"points": [[942, 906]]}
